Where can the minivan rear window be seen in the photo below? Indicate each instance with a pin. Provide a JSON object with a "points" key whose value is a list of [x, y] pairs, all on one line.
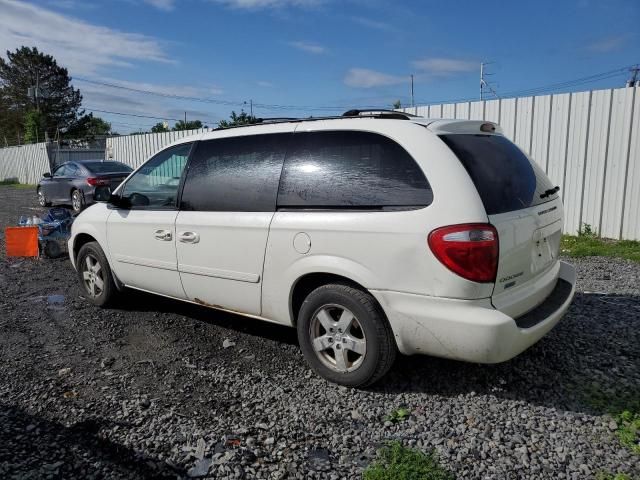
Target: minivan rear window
{"points": [[503, 175]]}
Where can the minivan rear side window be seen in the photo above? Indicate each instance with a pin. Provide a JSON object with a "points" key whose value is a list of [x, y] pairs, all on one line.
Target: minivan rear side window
{"points": [[503, 175], [350, 169], [235, 174]]}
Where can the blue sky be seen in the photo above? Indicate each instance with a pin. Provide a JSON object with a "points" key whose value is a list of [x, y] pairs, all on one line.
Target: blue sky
{"points": [[312, 54]]}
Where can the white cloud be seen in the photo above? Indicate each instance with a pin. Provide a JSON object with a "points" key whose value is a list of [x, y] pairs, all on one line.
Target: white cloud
{"points": [[82, 47], [262, 4], [309, 47], [265, 84], [375, 24], [166, 5], [444, 66], [608, 44], [364, 78]]}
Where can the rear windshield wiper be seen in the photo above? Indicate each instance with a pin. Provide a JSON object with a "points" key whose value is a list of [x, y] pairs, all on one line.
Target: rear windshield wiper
{"points": [[549, 192]]}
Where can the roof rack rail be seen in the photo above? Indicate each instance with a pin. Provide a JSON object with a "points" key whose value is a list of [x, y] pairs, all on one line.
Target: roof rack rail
{"points": [[378, 112]]}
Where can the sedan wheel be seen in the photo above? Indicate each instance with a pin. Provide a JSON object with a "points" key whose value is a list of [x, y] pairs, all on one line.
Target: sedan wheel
{"points": [[42, 200], [93, 276], [76, 200]]}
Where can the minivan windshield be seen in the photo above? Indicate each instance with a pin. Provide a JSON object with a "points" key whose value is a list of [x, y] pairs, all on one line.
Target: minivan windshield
{"points": [[503, 175]]}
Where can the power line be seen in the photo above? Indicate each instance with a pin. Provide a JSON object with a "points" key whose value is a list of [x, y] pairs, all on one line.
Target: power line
{"points": [[545, 88]]}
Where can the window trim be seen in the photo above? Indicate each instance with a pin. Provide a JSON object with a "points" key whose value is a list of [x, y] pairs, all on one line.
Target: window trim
{"points": [[122, 187], [351, 208]]}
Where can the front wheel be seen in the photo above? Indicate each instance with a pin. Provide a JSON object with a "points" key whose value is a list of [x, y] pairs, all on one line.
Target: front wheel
{"points": [[345, 336], [77, 201], [95, 275]]}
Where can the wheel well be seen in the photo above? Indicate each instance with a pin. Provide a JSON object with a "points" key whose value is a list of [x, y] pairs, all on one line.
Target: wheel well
{"points": [[308, 283], [80, 240]]}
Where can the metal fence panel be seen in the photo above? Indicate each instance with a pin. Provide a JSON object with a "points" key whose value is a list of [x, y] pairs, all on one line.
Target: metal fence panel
{"points": [[596, 158], [24, 164], [631, 210], [617, 162], [540, 131]]}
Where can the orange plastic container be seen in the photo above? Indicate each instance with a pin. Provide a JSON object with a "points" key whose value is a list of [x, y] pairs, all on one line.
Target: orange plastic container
{"points": [[21, 241]]}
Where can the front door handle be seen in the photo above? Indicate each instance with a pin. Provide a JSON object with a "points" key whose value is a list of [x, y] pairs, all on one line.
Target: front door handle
{"points": [[189, 237], [164, 235]]}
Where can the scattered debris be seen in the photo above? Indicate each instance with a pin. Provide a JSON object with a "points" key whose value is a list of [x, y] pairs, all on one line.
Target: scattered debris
{"points": [[228, 343], [107, 362], [54, 229], [200, 469], [64, 371], [70, 394]]}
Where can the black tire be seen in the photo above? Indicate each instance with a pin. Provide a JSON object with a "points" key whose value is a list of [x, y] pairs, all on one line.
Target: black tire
{"points": [[372, 325], [42, 200], [102, 297], [77, 200]]}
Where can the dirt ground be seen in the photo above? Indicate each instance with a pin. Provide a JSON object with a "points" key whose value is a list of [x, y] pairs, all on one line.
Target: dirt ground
{"points": [[147, 389]]}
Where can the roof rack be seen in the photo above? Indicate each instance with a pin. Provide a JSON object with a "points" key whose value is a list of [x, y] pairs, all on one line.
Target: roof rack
{"points": [[379, 113], [355, 113]]}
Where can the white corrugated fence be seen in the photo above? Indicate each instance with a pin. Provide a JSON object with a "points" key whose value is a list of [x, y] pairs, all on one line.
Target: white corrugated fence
{"points": [[136, 149]]}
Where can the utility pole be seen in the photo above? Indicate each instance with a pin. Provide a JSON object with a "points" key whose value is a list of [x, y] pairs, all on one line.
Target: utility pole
{"points": [[413, 104], [633, 81], [481, 80], [185, 119], [483, 83]]}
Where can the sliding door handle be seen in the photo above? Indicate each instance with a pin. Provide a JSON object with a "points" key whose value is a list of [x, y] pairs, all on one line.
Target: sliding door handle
{"points": [[189, 237]]}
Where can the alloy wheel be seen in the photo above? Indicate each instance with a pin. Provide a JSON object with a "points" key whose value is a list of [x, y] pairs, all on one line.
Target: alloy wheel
{"points": [[337, 338], [76, 201], [93, 276]]}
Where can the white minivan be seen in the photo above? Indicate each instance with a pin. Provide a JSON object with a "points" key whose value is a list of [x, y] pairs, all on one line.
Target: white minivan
{"points": [[371, 233]]}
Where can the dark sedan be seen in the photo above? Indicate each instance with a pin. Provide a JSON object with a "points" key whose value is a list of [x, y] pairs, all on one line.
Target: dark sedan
{"points": [[75, 182]]}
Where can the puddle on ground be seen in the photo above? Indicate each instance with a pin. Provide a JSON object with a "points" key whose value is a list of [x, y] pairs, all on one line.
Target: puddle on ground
{"points": [[54, 302], [55, 299]]}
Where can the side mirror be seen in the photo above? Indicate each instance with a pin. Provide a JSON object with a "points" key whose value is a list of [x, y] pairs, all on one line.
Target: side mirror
{"points": [[46, 175], [102, 194]]}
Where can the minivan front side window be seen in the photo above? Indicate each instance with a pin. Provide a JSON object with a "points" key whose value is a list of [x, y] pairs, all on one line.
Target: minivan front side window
{"points": [[155, 184]]}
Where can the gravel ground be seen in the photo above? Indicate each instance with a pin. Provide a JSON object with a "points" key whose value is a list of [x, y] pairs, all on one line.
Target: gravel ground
{"points": [[148, 390]]}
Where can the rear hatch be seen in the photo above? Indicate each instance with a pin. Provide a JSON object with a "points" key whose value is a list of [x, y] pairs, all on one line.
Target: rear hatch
{"points": [[523, 205]]}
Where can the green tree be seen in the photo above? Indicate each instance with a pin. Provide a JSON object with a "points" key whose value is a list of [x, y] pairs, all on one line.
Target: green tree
{"points": [[88, 127], [189, 125], [33, 127], [160, 127], [31, 80], [236, 120]]}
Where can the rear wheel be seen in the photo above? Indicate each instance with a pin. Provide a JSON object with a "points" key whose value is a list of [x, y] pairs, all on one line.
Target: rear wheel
{"points": [[42, 200], [345, 336], [95, 275], [77, 200]]}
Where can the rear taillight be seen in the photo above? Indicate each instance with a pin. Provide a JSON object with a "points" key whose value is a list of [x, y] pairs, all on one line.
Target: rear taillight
{"points": [[470, 250], [94, 181]]}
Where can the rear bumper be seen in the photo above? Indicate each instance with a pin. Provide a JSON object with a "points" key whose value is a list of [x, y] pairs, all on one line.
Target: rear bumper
{"points": [[472, 330]]}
